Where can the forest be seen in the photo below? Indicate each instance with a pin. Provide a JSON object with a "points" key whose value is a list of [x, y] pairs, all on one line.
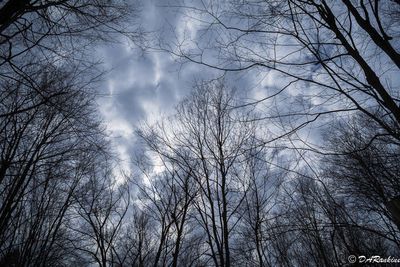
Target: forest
{"points": [[283, 149]]}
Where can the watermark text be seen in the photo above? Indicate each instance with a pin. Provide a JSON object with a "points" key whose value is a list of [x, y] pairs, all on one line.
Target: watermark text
{"points": [[372, 259]]}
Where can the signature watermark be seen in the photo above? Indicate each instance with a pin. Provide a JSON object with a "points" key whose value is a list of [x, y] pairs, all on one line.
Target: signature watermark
{"points": [[372, 259]]}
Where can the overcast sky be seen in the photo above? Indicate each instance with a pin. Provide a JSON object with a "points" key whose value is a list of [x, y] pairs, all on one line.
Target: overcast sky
{"points": [[144, 86]]}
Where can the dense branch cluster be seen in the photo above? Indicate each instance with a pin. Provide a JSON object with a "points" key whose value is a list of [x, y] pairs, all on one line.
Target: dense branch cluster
{"points": [[59, 202], [223, 198]]}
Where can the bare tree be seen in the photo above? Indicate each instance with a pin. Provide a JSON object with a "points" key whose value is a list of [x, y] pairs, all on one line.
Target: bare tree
{"points": [[50, 133], [56, 33], [42, 155], [327, 57], [338, 56], [367, 172], [260, 207], [210, 143], [168, 197], [101, 205], [138, 242], [58, 27]]}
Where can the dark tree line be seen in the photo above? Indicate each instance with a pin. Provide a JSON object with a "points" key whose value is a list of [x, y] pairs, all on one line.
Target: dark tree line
{"points": [[59, 202]]}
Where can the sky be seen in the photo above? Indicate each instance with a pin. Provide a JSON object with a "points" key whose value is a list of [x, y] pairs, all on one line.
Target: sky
{"points": [[145, 85]]}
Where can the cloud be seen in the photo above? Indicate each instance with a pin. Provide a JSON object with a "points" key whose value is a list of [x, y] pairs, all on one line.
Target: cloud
{"points": [[142, 86]]}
